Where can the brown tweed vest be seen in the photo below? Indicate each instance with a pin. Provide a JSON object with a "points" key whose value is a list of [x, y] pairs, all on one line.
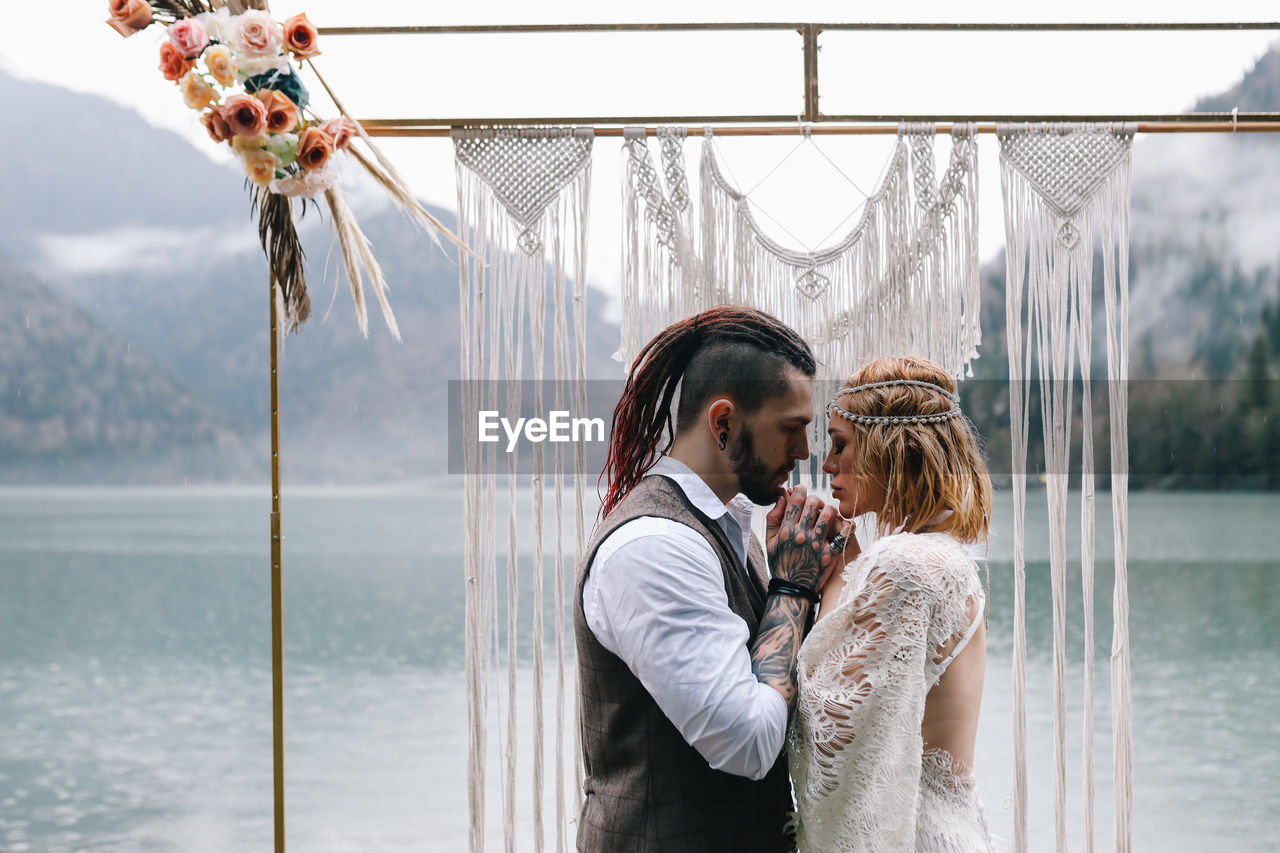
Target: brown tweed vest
{"points": [[646, 788]]}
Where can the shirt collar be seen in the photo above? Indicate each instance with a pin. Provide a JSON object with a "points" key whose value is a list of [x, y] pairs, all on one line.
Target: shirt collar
{"points": [[694, 487]]}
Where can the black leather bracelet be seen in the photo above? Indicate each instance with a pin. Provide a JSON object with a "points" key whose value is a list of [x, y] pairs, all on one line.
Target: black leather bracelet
{"points": [[788, 588]]}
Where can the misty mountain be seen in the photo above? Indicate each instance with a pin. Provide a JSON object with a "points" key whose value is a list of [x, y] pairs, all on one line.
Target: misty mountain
{"points": [[74, 396], [1205, 236], [77, 164]]}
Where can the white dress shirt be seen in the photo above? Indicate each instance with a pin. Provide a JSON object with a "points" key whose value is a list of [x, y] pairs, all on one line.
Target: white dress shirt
{"points": [[655, 597]]}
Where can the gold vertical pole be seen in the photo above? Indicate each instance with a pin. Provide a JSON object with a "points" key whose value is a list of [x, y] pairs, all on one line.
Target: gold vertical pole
{"points": [[810, 34], [277, 622]]}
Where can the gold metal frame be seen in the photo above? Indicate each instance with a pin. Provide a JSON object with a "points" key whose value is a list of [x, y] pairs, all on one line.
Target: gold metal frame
{"points": [[837, 124], [725, 125]]}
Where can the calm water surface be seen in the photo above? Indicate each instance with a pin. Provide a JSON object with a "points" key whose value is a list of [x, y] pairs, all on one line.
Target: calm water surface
{"points": [[135, 686]]}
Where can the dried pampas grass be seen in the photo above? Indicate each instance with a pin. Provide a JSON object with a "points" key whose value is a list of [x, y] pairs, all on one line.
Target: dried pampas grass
{"points": [[387, 176], [357, 253]]}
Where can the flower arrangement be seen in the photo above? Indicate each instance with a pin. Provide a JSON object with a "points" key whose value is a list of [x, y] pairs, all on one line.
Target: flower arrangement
{"points": [[235, 65]]}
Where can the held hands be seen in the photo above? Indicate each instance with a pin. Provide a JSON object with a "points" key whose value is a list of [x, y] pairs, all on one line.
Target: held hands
{"points": [[799, 530]]}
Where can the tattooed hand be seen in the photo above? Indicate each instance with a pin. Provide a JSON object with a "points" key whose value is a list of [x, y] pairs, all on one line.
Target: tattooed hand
{"points": [[798, 538]]}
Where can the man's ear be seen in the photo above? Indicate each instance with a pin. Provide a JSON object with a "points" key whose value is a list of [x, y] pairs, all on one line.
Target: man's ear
{"points": [[722, 416]]}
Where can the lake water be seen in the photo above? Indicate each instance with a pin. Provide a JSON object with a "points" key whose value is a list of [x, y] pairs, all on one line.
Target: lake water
{"points": [[135, 686]]}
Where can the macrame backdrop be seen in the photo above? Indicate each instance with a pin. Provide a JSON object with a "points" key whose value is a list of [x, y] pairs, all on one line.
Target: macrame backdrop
{"points": [[903, 280], [1066, 189], [522, 206]]}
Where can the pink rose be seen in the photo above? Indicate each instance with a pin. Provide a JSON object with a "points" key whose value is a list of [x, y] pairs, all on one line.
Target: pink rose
{"points": [[189, 37], [246, 115], [300, 36], [257, 35], [173, 64], [129, 16], [315, 147], [282, 113], [219, 129], [341, 129]]}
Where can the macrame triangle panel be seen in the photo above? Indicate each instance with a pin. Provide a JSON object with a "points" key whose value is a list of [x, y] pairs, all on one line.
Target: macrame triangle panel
{"points": [[524, 167]]}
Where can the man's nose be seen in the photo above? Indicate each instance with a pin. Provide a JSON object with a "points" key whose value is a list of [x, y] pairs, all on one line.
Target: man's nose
{"points": [[801, 448]]}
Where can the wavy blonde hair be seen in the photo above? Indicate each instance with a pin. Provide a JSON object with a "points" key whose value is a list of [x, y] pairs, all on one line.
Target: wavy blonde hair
{"points": [[925, 468]]}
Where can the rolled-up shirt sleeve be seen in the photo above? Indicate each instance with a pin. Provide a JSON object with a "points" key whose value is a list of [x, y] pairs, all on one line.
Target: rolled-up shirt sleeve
{"points": [[655, 597]]}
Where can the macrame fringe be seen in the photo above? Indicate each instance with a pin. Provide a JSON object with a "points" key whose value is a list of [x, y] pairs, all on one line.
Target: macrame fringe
{"points": [[1066, 188], [659, 262], [903, 280], [522, 205]]}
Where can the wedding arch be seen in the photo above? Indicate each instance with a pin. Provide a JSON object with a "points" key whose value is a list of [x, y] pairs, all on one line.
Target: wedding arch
{"points": [[902, 279]]}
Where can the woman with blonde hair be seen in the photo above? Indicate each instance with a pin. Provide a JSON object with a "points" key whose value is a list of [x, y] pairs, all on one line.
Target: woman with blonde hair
{"points": [[890, 678]]}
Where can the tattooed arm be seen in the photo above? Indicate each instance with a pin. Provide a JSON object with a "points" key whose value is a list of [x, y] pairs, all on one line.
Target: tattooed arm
{"points": [[798, 542]]}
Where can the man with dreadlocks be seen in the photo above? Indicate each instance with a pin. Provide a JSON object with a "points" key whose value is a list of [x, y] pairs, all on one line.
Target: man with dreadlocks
{"points": [[686, 647]]}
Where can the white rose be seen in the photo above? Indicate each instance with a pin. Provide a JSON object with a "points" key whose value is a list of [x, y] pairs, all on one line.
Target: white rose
{"points": [[217, 24], [255, 65], [256, 34], [306, 185]]}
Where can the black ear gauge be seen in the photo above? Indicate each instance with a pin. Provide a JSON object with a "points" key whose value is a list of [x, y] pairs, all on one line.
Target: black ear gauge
{"points": [[724, 439]]}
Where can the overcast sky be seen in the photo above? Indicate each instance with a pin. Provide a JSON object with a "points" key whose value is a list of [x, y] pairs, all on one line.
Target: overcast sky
{"points": [[693, 73]]}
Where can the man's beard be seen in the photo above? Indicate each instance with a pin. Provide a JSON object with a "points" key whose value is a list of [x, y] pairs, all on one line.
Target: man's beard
{"points": [[755, 479]]}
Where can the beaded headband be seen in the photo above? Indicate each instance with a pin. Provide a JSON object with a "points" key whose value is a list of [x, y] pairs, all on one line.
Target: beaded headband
{"points": [[833, 409]]}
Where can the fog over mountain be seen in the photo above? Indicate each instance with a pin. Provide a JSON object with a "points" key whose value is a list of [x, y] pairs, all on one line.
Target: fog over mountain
{"points": [[157, 372], [1205, 234]]}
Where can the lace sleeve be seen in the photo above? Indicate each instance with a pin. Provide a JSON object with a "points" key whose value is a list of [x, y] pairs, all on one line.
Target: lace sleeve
{"points": [[862, 686]]}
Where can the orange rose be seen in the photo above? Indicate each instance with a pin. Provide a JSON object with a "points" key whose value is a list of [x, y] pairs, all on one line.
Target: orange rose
{"points": [[260, 166], [173, 64], [241, 144], [219, 129], [246, 115], [221, 65], [300, 36], [341, 129], [129, 16], [282, 113], [315, 147], [197, 92]]}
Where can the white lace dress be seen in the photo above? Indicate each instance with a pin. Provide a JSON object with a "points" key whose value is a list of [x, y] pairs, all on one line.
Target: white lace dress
{"points": [[863, 781]]}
